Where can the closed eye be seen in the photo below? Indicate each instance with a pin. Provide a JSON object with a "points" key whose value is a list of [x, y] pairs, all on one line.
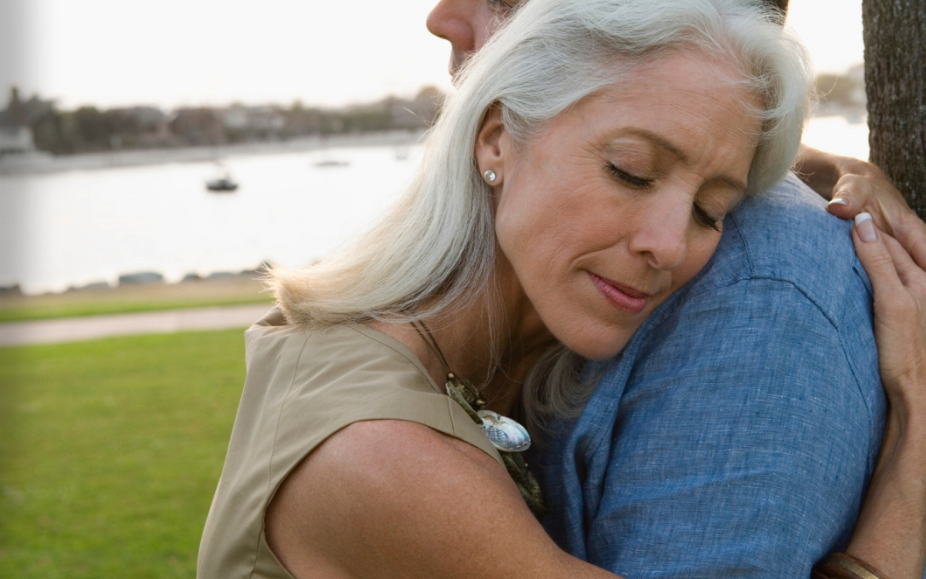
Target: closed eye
{"points": [[629, 178], [704, 218]]}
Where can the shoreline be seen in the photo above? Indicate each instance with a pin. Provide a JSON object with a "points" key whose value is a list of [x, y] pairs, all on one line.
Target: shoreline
{"points": [[43, 163]]}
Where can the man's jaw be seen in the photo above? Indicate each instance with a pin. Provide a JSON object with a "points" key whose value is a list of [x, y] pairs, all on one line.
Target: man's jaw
{"points": [[458, 58]]}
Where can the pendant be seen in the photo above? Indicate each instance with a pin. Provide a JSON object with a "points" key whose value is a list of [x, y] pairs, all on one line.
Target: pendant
{"points": [[506, 434]]}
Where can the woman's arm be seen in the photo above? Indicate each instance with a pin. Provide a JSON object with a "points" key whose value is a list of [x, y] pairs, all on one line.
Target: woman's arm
{"points": [[891, 531], [384, 499]]}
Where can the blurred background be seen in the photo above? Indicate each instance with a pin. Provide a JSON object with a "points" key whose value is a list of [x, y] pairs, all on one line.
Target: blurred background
{"points": [[152, 158], [117, 116]]}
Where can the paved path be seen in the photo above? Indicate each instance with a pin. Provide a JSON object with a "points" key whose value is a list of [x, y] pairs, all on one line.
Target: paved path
{"points": [[93, 327]]}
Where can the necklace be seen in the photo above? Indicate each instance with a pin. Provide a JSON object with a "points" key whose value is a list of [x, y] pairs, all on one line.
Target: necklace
{"points": [[505, 434]]}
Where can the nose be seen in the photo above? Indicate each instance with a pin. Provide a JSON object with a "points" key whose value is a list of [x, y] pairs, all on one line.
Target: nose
{"points": [[661, 238], [451, 20]]}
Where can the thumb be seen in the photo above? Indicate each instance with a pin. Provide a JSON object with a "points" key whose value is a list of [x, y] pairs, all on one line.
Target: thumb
{"points": [[875, 257], [852, 194]]}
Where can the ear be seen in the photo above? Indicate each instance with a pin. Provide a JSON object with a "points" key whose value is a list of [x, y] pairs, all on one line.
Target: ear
{"points": [[493, 146]]}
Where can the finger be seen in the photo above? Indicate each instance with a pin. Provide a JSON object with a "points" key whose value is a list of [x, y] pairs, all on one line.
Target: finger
{"points": [[910, 231], [852, 195], [908, 271], [875, 257]]}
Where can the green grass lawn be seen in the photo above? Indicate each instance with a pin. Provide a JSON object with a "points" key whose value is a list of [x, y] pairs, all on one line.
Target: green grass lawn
{"points": [[111, 451]]}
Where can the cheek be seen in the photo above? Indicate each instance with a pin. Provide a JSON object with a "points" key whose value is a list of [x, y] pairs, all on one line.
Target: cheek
{"points": [[525, 219], [513, 219], [533, 252], [539, 227]]}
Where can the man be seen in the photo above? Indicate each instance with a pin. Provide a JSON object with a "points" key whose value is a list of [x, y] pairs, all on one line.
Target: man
{"points": [[736, 433]]}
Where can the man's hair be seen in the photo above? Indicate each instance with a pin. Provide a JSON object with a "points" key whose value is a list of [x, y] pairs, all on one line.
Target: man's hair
{"points": [[436, 247], [781, 5]]}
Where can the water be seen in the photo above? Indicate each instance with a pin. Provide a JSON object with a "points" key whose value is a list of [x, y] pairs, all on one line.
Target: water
{"points": [[847, 137], [79, 227]]}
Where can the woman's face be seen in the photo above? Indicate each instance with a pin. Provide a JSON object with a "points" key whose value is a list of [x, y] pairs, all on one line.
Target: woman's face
{"points": [[620, 200]]}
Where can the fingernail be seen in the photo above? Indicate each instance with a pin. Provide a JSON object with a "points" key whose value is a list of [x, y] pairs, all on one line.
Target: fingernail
{"points": [[866, 227], [838, 201]]}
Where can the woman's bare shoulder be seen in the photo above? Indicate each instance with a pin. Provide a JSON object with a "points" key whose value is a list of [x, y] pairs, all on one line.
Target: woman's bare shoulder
{"points": [[391, 498]]}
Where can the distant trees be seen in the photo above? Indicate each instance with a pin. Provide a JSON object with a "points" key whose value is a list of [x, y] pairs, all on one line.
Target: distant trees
{"points": [[390, 113], [895, 79], [89, 129], [844, 89]]}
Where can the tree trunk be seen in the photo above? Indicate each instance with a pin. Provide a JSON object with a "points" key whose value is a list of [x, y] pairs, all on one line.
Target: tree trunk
{"points": [[895, 80]]}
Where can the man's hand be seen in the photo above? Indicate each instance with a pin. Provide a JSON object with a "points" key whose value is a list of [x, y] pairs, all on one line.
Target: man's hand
{"points": [[854, 186]]}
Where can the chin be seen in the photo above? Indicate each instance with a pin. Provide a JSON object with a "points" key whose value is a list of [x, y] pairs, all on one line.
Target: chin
{"points": [[598, 347]]}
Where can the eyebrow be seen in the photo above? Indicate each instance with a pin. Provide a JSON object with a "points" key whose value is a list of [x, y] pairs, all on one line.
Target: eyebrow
{"points": [[664, 144]]}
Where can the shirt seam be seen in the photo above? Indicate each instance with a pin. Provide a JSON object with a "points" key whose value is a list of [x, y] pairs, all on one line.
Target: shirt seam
{"points": [[818, 306], [276, 433], [833, 324], [419, 367]]}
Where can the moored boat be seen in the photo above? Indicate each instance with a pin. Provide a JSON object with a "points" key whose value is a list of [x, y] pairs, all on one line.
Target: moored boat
{"points": [[222, 185]]}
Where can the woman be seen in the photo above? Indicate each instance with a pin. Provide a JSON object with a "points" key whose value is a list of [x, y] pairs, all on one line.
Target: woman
{"points": [[580, 176]]}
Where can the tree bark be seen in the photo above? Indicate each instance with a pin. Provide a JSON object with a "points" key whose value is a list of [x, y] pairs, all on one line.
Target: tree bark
{"points": [[895, 80]]}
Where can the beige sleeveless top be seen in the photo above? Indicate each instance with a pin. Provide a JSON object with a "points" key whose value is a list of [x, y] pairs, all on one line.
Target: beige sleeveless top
{"points": [[302, 387]]}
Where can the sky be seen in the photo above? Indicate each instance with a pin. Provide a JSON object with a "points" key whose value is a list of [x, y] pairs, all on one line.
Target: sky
{"points": [[209, 52]]}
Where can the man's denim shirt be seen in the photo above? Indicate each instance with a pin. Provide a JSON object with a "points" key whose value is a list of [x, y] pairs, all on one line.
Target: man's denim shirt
{"points": [[735, 435]]}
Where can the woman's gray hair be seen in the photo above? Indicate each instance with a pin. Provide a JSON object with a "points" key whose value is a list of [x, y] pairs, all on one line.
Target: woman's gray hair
{"points": [[436, 247]]}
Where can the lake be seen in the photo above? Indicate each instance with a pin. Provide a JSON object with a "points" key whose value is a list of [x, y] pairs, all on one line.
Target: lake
{"points": [[77, 227]]}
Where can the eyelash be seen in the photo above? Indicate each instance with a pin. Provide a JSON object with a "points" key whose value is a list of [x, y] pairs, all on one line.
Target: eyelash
{"points": [[630, 179], [701, 216]]}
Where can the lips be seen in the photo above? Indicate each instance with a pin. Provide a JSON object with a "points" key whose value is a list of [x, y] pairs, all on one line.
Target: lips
{"points": [[621, 296]]}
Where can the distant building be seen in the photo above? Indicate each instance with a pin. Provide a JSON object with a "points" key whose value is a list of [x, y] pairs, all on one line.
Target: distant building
{"points": [[266, 118], [18, 120], [197, 126], [15, 140], [253, 123], [235, 118], [15, 134], [144, 127]]}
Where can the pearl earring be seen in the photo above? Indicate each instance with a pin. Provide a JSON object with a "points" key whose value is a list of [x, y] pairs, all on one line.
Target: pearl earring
{"points": [[489, 175]]}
